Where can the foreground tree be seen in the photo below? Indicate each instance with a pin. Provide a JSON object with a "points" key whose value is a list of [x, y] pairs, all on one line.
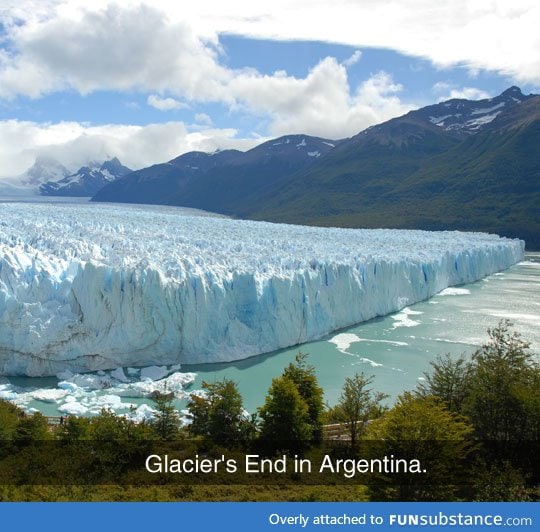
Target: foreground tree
{"points": [[421, 428], [285, 419], [503, 388], [9, 419], [32, 428], [303, 376], [219, 415], [447, 380], [358, 404], [500, 482], [166, 422]]}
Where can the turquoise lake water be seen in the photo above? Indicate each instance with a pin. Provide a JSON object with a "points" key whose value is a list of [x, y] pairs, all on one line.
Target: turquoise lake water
{"points": [[397, 349]]}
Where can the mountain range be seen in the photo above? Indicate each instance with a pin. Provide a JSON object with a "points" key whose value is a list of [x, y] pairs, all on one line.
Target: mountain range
{"points": [[48, 177], [86, 181], [223, 181], [460, 165], [457, 165]]}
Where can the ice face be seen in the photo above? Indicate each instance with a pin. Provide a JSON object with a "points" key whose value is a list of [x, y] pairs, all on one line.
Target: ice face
{"points": [[90, 287]]}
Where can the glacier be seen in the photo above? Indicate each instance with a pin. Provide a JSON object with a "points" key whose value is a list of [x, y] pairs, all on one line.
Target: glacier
{"points": [[91, 287]]}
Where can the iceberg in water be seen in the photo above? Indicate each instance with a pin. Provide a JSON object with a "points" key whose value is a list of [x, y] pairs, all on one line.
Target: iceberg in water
{"points": [[91, 287]]}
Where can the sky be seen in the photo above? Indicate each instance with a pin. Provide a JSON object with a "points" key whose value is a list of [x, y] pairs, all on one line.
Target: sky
{"points": [[147, 81]]}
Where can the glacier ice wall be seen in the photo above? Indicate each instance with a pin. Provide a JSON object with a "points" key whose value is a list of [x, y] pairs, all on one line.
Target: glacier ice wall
{"points": [[89, 287]]}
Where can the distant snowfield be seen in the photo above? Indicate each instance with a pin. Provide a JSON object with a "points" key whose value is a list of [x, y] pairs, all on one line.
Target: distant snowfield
{"points": [[91, 287]]}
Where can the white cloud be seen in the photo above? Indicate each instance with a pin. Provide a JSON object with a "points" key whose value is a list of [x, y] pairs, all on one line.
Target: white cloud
{"points": [[116, 48], [320, 104], [142, 48], [165, 104], [355, 57], [496, 35], [469, 93], [75, 144], [166, 48], [203, 118], [489, 34], [447, 91]]}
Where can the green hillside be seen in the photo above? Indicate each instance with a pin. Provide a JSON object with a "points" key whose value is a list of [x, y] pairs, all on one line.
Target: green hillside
{"points": [[459, 164], [488, 182]]}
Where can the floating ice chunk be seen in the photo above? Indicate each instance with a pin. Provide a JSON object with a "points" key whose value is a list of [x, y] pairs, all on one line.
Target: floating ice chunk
{"points": [[73, 408], [175, 383], [391, 342], [7, 393], [119, 375], [90, 381], [49, 395], [142, 413], [136, 389], [344, 340], [110, 401], [66, 385], [453, 291], [186, 419], [402, 319], [372, 363]]}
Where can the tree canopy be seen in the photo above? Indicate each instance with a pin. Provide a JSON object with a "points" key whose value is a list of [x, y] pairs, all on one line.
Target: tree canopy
{"points": [[285, 418]]}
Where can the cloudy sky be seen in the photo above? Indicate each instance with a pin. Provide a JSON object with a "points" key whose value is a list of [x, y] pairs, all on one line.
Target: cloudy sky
{"points": [[146, 81]]}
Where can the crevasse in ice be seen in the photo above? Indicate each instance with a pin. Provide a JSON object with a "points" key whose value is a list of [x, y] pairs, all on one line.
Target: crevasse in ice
{"points": [[89, 287]]}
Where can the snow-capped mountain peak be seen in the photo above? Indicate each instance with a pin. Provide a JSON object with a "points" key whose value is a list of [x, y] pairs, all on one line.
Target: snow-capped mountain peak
{"points": [[465, 117], [86, 181]]}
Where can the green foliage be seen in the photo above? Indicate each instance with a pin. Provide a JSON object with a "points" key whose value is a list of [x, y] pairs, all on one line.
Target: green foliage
{"points": [[107, 426], [167, 420], [285, 419], [500, 482], [422, 428], [303, 376], [498, 389], [9, 418], [219, 415], [357, 405], [503, 388], [74, 429], [447, 380], [30, 429]]}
